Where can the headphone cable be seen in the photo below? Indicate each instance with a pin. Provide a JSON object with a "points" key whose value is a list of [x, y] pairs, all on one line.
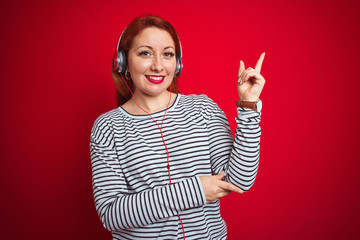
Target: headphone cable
{"points": [[162, 136]]}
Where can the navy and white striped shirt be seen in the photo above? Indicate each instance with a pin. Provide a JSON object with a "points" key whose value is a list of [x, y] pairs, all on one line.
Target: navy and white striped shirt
{"points": [[131, 187]]}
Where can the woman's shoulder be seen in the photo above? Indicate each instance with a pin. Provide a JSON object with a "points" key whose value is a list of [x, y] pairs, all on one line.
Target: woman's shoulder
{"points": [[198, 99], [201, 101], [108, 116], [107, 120]]}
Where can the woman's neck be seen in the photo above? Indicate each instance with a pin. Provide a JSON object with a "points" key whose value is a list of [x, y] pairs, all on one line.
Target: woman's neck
{"points": [[150, 104]]}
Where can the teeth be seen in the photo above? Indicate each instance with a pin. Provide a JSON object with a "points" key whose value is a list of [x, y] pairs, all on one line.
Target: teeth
{"points": [[156, 78]]}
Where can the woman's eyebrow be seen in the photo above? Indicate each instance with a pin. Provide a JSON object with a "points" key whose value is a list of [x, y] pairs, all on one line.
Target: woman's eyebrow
{"points": [[145, 46], [152, 47]]}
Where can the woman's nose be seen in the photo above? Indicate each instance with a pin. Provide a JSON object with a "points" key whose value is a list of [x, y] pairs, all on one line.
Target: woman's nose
{"points": [[157, 64]]}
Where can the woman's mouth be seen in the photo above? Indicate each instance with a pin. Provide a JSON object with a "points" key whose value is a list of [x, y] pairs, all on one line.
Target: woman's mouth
{"points": [[157, 79]]}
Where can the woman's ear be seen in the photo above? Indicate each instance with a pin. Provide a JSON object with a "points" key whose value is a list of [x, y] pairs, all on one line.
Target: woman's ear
{"points": [[127, 74]]}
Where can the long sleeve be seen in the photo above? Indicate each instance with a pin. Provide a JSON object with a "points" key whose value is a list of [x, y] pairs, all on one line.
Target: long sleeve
{"points": [[121, 208], [238, 157]]}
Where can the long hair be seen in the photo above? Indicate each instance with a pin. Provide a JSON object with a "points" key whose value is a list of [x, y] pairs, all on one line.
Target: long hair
{"points": [[132, 30]]}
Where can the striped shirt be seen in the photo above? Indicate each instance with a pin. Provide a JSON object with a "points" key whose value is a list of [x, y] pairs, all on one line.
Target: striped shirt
{"points": [[131, 187]]}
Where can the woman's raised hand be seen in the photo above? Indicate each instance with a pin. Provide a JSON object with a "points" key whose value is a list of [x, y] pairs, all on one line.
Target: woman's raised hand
{"points": [[215, 188], [250, 81]]}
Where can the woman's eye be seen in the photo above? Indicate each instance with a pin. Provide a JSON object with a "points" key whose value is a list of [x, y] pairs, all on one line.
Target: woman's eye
{"points": [[144, 53], [169, 54]]}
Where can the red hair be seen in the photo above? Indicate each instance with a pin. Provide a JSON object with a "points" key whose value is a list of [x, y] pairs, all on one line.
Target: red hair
{"points": [[132, 30]]}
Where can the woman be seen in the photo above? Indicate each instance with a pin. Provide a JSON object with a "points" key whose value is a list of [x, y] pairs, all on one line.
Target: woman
{"points": [[162, 160]]}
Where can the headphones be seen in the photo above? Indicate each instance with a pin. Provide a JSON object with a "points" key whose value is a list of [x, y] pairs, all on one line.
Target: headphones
{"points": [[120, 63]]}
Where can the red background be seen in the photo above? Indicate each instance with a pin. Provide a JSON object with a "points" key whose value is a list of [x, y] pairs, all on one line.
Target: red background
{"points": [[55, 81]]}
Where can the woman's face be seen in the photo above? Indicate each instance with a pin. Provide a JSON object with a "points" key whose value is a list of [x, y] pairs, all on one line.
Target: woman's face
{"points": [[152, 61]]}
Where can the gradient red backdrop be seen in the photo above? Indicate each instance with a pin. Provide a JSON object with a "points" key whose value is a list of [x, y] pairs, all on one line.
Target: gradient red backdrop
{"points": [[55, 81]]}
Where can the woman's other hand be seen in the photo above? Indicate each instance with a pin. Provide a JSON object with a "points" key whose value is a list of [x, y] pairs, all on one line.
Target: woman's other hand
{"points": [[250, 81], [215, 188]]}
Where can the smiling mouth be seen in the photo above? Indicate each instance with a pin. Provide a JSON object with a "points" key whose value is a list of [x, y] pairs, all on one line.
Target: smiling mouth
{"points": [[157, 79]]}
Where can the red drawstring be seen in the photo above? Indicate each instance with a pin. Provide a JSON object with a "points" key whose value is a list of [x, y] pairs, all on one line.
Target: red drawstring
{"points": [[162, 136]]}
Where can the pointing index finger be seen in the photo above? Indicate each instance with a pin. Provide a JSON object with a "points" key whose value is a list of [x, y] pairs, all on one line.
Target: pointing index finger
{"points": [[241, 68], [259, 62]]}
